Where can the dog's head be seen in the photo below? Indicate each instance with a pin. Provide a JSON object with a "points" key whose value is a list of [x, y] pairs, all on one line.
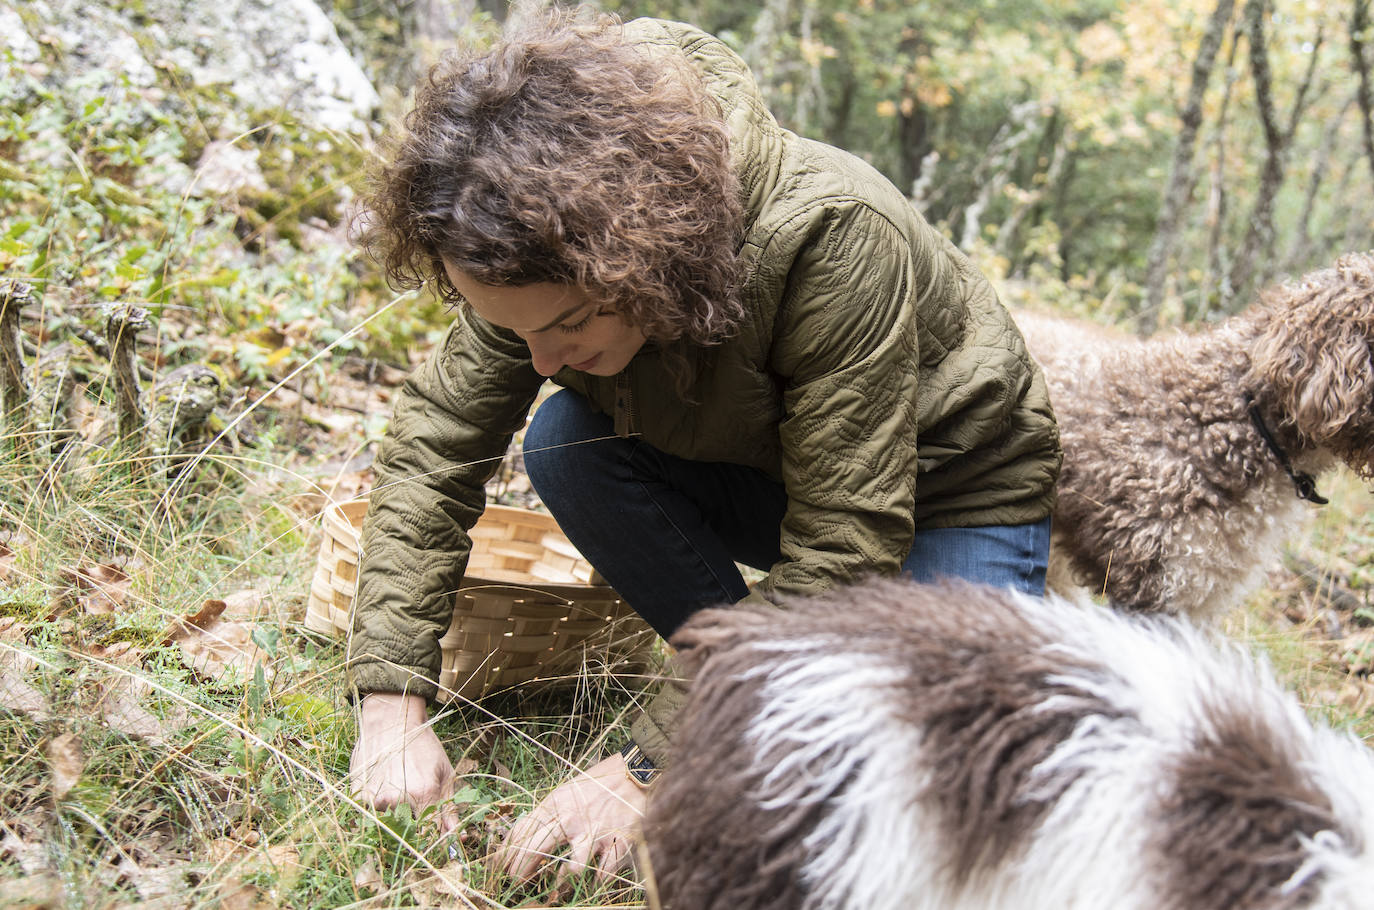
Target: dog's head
{"points": [[1313, 359]]}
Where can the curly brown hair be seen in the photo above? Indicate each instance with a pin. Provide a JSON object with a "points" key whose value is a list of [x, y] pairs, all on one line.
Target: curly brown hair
{"points": [[567, 154]]}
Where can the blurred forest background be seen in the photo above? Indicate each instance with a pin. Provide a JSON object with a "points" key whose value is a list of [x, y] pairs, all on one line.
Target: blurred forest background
{"points": [[176, 183]]}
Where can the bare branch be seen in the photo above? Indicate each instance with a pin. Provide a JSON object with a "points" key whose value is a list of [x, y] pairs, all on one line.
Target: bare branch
{"points": [[1259, 237], [1359, 23], [1180, 173]]}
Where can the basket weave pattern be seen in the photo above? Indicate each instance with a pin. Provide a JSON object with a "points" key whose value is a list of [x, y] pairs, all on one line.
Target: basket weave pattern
{"points": [[529, 607]]}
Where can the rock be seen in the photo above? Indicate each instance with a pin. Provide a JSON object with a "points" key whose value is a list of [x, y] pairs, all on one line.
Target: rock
{"points": [[14, 39], [270, 54], [226, 169]]}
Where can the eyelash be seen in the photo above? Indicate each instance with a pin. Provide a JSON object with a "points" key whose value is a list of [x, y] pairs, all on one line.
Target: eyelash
{"points": [[579, 326]]}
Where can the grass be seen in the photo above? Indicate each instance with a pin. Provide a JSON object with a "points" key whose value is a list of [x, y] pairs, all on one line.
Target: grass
{"points": [[144, 759], [1314, 621], [177, 772]]}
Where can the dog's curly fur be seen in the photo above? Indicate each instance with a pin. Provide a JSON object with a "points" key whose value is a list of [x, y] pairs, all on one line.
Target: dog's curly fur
{"points": [[1169, 498]]}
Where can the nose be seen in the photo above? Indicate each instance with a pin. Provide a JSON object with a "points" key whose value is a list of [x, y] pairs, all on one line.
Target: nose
{"points": [[547, 354]]}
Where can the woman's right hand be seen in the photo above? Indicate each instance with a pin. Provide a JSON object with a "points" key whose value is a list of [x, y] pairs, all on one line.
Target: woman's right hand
{"points": [[398, 759]]}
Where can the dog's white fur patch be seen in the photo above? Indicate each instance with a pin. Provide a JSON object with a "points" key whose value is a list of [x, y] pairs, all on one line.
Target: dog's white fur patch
{"points": [[830, 729]]}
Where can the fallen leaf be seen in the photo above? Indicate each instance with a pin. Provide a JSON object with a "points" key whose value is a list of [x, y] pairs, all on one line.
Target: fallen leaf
{"points": [[24, 842], [12, 544], [117, 697], [247, 858], [240, 860], [100, 588], [153, 883], [7, 558], [221, 647], [16, 694], [32, 892], [209, 612], [441, 888], [211, 645], [353, 485], [22, 698], [367, 879], [66, 762], [245, 604], [121, 652], [119, 704], [236, 894]]}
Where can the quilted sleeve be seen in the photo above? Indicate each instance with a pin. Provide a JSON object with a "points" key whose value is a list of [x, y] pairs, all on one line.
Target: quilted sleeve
{"points": [[453, 420], [846, 347]]}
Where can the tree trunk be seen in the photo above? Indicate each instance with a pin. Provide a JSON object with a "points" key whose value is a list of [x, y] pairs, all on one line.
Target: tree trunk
{"points": [[994, 170], [1259, 237], [1300, 250], [1180, 171], [811, 93], [1359, 22], [1043, 184], [1218, 273]]}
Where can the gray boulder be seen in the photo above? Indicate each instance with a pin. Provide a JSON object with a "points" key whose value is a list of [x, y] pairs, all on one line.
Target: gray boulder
{"points": [[269, 54]]}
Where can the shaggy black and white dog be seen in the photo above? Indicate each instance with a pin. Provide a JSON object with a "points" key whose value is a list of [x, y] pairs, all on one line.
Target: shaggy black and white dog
{"points": [[902, 746]]}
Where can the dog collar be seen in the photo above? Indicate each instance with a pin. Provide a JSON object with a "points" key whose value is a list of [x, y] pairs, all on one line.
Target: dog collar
{"points": [[1303, 482]]}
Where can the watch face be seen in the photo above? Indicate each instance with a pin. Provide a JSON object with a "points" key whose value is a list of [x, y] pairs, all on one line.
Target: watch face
{"points": [[639, 766]]}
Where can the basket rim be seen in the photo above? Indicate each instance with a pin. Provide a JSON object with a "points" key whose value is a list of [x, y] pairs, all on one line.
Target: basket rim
{"points": [[343, 512], [509, 588]]}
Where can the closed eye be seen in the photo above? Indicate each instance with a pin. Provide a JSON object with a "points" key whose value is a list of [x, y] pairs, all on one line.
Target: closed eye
{"points": [[582, 324], [579, 325]]}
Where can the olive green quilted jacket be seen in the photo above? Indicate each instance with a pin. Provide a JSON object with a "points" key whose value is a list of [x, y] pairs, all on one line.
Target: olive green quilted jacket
{"points": [[876, 375]]}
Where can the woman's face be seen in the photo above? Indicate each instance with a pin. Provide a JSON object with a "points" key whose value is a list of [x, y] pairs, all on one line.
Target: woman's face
{"points": [[560, 325]]}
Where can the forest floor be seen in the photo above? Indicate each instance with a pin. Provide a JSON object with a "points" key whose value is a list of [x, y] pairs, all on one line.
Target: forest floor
{"points": [[174, 736]]}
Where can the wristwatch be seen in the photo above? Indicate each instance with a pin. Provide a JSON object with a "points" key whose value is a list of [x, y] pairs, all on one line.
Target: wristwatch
{"points": [[638, 766]]}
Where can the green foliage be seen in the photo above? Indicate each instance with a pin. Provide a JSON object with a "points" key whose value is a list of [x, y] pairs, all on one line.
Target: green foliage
{"points": [[1021, 120], [104, 196]]}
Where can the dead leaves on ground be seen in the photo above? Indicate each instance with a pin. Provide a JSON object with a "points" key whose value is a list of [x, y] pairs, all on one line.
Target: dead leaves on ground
{"points": [[8, 556], [213, 644], [444, 887], [66, 760], [112, 684], [98, 589], [119, 696], [153, 870], [17, 695]]}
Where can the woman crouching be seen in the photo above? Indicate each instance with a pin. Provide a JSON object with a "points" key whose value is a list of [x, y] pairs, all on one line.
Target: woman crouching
{"points": [[767, 357]]}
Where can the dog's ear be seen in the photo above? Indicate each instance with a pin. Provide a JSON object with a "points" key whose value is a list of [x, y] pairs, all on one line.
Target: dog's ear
{"points": [[1314, 351]]}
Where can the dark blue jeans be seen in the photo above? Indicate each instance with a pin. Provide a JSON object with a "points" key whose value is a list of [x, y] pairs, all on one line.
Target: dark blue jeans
{"points": [[666, 532]]}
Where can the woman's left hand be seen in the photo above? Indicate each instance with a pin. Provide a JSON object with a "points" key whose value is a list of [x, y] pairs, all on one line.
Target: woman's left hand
{"points": [[596, 813]]}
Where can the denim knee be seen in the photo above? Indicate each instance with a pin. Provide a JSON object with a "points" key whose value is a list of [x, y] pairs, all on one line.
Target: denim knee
{"points": [[562, 419]]}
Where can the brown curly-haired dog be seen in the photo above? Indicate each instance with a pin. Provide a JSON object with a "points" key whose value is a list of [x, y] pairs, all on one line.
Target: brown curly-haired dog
{"points": [[1171, 498]]}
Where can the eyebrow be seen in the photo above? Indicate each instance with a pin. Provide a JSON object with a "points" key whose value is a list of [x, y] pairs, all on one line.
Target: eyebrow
{"points": [[564, 315]]}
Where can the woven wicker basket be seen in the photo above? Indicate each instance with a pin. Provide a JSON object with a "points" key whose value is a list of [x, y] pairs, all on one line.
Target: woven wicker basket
{"points": [[530, 607]]}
